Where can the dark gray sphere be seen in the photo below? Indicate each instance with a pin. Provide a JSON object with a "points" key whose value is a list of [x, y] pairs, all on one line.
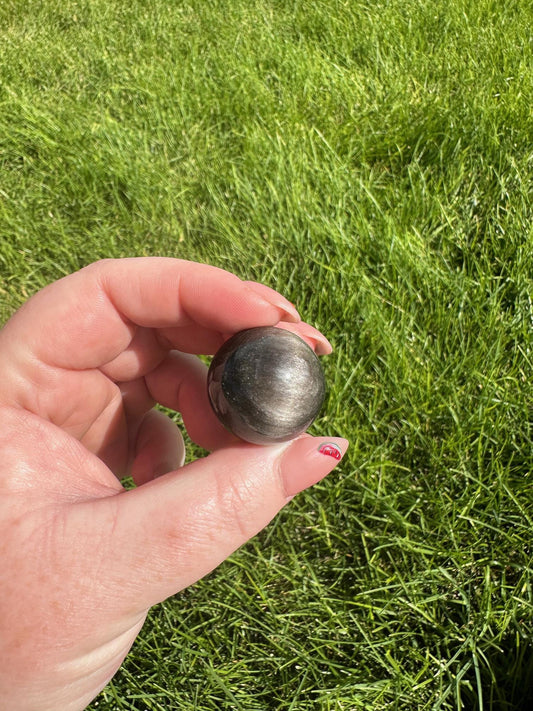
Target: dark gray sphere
{"points": [[266, 385]]}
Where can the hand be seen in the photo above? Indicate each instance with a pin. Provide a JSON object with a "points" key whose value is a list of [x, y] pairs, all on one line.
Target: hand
{"points": [[84, 362]]}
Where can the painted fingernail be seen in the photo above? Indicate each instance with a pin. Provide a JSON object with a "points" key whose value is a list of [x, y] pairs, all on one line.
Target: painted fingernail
{"points": [[330, 449], [308, 460]]}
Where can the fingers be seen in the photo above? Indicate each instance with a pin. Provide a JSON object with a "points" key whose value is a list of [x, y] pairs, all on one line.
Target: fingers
{"points": [[159, 448], [275, 298], [180, 383], [142, 355], [177, 528], [90, 317], [162, 292], [314, 339]]}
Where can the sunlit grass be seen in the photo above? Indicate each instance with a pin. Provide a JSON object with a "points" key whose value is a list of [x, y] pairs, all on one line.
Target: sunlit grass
{"points": [[373, 161]]}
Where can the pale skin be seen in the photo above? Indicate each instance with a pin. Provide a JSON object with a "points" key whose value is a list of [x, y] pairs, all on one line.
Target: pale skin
{"points": [[84, 362]]}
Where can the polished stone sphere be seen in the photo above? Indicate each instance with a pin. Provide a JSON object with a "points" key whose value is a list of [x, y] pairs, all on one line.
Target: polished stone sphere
{"points": [[266, 385]]}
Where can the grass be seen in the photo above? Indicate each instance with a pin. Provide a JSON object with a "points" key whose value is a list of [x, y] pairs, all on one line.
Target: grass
{"points": [[374, 162]]}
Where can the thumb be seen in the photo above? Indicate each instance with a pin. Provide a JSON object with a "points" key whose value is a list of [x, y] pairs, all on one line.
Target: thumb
{"points": [[172, 531]]}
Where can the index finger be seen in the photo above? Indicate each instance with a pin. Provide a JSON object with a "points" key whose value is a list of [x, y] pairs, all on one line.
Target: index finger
{"points": [[88, 318]]}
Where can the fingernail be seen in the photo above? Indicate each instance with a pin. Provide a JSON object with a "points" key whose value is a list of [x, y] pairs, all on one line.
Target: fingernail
{"points": [[314, 339], [288, 311], [317, 342], [170, 466], [322, 345], [308, 459]]}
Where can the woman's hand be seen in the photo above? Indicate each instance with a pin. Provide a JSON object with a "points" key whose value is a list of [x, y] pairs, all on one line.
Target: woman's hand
{"points": [[83, 363]]}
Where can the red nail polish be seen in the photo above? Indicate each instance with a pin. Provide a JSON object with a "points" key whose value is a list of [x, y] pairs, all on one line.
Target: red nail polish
{"points": [[303, 465], [330, 449]]}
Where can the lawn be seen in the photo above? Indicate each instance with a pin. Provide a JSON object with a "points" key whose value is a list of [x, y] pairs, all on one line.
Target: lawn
{"points": [[374, 162]]}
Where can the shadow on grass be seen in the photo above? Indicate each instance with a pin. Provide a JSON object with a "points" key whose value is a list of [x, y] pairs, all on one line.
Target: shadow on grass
{"points": [[506, 680]]}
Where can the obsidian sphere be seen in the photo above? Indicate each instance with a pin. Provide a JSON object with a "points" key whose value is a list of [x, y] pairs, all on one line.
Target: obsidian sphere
{"points": [[266, 385]]}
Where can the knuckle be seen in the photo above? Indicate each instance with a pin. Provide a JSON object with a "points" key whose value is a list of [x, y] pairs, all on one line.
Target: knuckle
{"points": [[234, 498]]}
